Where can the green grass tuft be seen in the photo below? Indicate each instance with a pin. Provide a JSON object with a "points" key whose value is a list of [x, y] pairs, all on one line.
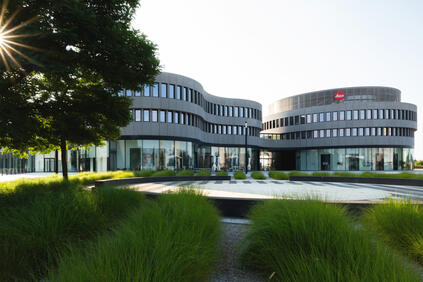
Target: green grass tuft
{"points": [[45, 221], [173, 239], [258, 175], [162, 173], [308, 240], [203, 172], [222, 173], [298, 173], [187, 172], [400, 224], [144, 173], [239, 174], [278, 175]]}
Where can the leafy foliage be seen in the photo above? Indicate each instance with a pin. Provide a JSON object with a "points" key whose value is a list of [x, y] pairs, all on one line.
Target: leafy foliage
{"points": [[278, 175], [77, 56], [203, 172], [239, 174], [258, 175]]}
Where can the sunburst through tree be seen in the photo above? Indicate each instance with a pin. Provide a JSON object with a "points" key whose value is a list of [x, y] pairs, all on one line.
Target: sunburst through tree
{"points": [[9, 38]]}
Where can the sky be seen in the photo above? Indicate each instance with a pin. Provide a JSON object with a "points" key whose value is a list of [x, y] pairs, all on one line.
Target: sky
{"points": [[270, 49]]}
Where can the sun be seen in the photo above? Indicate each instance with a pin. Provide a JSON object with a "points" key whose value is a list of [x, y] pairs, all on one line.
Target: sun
{"points": [[8, 36]]}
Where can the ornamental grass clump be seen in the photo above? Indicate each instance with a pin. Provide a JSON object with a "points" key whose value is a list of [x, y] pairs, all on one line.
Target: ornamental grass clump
{"points": [[258, 175], [173, 239], [186, 172], [239, 174], [45, 222], [400, 224], [222, 173], [144, 173], [278, 175], [298, 173], [163, 173], [308, 240], [203, 172]]}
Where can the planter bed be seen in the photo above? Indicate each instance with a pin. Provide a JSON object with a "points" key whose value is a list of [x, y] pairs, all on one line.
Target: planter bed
{"points": [[369, 180], [140, 180]]}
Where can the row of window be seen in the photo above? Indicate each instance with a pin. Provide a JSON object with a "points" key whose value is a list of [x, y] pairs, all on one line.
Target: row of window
{"points": [[368, 114], [178, 92], [166, 116], [342, 132]]}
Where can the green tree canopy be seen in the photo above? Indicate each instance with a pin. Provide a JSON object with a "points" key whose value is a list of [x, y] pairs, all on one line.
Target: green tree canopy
{"points": [[63, 63]]}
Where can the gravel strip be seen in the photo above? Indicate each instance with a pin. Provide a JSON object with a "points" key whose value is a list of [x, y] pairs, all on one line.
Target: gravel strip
{"points": [[229, 268]]}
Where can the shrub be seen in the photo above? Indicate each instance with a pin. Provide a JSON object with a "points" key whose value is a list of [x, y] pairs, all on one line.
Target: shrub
{"points": [[298, 173], [187, 172], [321, 173], [222, 173], [258, 175], [344, 174], [418, 164], [278, 175], [307, 240], [239, 174], [400, 224], [144, 173], [173, 239], [163, 173], [203, 172], [36, 232]]}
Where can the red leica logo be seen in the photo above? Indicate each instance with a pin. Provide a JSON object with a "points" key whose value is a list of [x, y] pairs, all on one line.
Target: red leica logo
{"points": [[339, 95]]}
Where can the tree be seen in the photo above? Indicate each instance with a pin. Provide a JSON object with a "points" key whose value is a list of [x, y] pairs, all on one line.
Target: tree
{"points": [[71, 59]]}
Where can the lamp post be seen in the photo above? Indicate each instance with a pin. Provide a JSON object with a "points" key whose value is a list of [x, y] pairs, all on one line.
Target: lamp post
{"points": [[246, 149]]}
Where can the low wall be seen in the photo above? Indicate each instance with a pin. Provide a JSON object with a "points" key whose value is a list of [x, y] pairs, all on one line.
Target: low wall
{"points": [[369, 180], [140, 180], [240, 207]]}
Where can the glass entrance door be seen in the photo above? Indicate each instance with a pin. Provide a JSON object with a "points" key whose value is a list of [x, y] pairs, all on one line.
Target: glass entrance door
{"points": [[395, 164], [135, 158], [325, 162], [379, 161], [353, 162], [49, 164]]}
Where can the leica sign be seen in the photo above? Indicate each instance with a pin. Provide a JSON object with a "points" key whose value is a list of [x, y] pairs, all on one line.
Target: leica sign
{"points": [[339, 95]]}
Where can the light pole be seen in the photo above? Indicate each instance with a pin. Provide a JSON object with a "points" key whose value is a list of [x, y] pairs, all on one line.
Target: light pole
{"points": [[246, 149]]}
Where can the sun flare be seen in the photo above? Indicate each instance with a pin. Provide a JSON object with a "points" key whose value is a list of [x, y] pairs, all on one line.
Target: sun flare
{"points": [[8, 42]]}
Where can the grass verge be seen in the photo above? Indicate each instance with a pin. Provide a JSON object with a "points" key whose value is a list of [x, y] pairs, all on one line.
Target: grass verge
{"points": [[307, 240], [173, 239]]}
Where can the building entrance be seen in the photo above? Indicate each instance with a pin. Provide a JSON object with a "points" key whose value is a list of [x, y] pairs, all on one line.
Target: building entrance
{"points": [[325, 162]]}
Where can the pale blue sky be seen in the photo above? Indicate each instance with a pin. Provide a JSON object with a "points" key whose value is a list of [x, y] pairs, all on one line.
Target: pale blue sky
{"points": [[266, 50]]}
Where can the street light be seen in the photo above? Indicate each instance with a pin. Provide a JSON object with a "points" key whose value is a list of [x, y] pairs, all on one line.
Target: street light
{"points": [[246, 150]]}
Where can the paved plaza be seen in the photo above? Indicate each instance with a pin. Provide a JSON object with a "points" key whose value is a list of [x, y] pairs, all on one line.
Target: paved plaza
{"points": [[266, 189], [269, 188]]}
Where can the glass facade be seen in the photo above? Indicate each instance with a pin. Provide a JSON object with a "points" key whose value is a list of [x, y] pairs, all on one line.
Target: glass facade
{"points": [[354, 159]]}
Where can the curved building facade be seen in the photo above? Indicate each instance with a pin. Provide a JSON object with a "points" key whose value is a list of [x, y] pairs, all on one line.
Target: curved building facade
{"points": [[356, 128], [178, 125]]}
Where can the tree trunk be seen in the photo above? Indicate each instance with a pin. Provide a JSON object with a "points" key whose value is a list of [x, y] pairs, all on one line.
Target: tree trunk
{"points": [[56, 162], [64, 153]]}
